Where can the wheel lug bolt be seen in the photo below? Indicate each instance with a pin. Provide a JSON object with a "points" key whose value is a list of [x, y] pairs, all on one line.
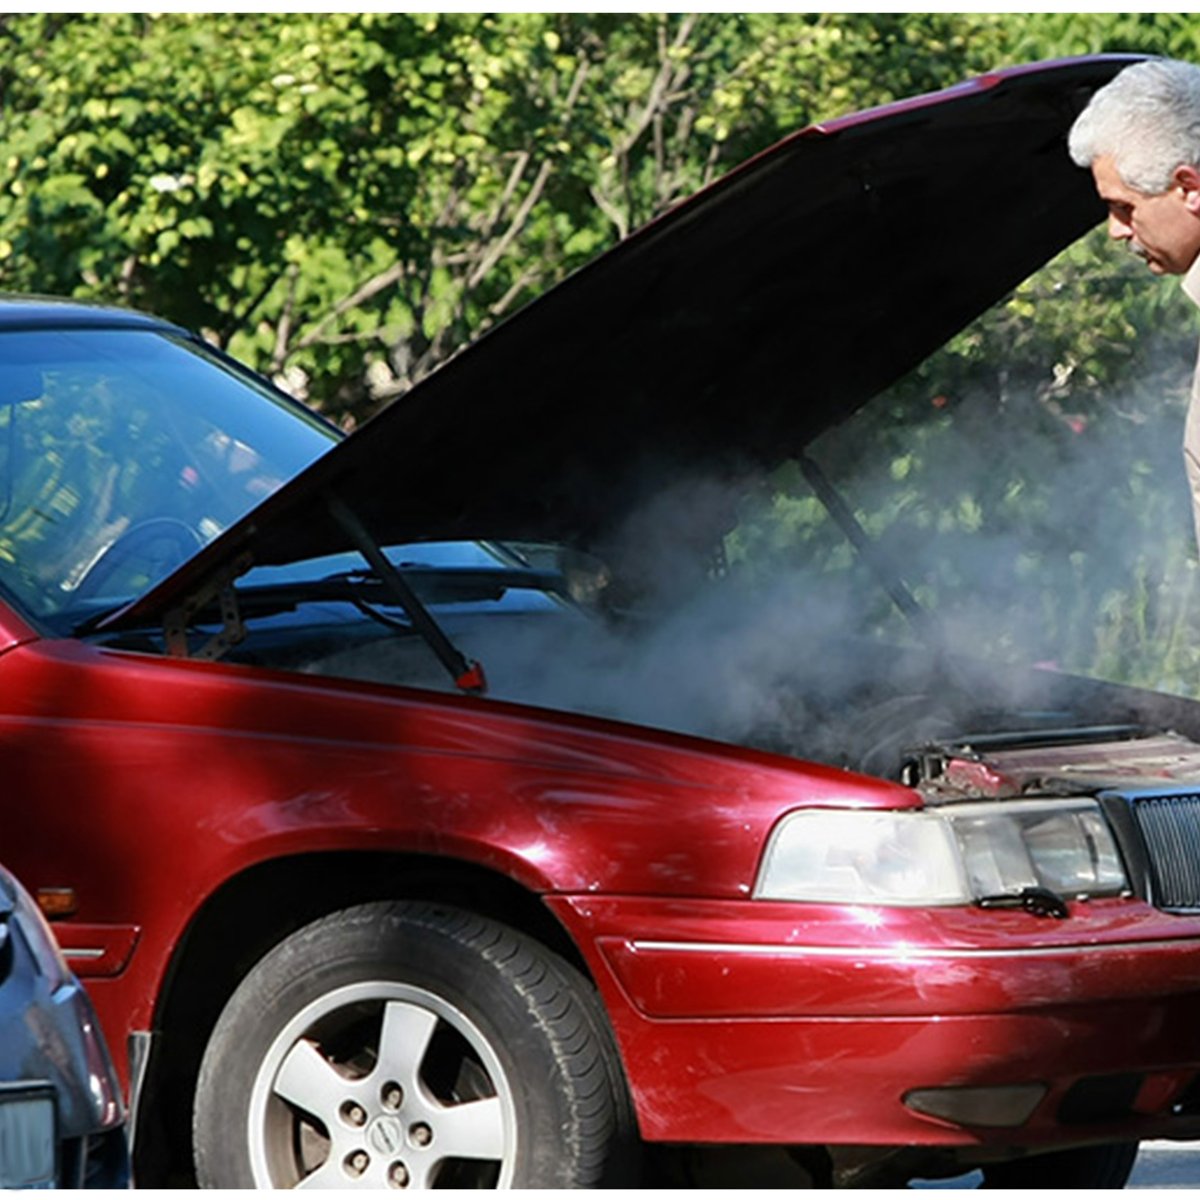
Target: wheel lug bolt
{"points": [[421, 1134], [391, 1096], [398, 1175], [353, 1113], [355, 1163]]}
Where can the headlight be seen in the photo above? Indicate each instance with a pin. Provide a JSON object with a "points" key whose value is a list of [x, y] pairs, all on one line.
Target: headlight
{"points": [[953, 855]]}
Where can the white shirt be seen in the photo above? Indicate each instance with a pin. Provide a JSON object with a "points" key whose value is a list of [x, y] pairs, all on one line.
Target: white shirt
{"points": [[1191, 431]]}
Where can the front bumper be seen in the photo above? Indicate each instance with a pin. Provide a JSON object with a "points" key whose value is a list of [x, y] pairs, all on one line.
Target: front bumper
{"points": [[752, 1022]]}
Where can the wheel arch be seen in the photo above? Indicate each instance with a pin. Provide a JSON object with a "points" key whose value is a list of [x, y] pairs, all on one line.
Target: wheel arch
{"points": [[244, 918]]}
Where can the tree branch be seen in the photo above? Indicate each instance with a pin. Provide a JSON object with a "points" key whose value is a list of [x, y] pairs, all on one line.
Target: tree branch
{"points": [[510, 186], [498, 309], [493, 256], [670, 75], [611, 211], [237, 320], [125, 281], [372, 287], [283, 330]]}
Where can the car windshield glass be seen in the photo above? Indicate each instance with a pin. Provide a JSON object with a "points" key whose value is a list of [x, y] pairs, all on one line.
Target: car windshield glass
{"points": [[122, 452]]}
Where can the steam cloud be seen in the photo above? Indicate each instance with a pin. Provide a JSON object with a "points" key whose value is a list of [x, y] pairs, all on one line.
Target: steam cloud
{"points": [[1019, 542]]}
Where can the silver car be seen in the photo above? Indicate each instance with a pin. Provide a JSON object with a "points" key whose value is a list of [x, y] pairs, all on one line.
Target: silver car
{"points": [[62, 1120]]}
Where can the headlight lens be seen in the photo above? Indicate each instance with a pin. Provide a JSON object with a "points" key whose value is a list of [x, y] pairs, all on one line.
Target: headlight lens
{"points": [[952, 855], [886, 858]]}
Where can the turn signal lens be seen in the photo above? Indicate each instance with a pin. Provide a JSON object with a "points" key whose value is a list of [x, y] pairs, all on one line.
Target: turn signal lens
{"points": [[57, 903]]}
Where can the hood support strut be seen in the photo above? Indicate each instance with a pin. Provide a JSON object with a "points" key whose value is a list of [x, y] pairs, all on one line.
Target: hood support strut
{"points": [[467, 675], [869, 551], [880, 565]]}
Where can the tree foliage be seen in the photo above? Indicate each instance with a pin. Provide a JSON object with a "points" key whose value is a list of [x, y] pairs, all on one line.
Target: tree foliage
{"points": [[348, 198]]}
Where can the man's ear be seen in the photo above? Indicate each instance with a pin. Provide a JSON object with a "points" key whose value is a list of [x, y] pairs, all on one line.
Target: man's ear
{"points": [[1187, 179]]}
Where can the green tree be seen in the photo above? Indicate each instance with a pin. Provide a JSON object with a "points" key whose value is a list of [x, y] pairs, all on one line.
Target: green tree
{"points": [[349, 198]]}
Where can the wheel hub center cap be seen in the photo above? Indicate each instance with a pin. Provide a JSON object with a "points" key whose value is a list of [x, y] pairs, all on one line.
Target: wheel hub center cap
{"points": [[385, 1134]]}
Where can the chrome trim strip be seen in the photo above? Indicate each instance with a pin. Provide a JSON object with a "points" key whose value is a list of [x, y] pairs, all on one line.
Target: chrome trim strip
{"points": [[908, 953], [82, 952]]}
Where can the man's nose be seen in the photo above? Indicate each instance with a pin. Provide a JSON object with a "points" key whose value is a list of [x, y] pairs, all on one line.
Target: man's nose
{"points": [[1118, 229]]}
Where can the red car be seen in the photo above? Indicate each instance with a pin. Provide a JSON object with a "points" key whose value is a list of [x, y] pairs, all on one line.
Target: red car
{"points": [[359, 902]]}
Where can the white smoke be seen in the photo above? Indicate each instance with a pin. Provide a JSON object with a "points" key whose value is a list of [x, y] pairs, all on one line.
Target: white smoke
{"points": [[1027, 548]]}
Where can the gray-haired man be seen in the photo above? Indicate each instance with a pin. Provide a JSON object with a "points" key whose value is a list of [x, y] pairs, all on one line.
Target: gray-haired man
{"points": [[1140, 135]]}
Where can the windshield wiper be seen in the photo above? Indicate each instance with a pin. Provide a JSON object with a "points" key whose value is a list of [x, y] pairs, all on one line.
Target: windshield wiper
{"points": [[454, 584]]}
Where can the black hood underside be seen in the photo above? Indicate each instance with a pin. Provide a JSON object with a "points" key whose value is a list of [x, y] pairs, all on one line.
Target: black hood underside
{"points": [[723, 337]]}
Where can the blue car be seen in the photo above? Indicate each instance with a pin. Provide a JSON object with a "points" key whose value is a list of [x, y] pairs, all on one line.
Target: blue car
{"points": [[62, 1120]]}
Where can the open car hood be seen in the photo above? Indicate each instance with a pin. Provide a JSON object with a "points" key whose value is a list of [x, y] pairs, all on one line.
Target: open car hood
{"points": [[723, 336]]}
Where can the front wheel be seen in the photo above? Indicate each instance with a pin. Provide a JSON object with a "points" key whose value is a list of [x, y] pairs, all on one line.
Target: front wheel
{"points": [[410, 1045]]}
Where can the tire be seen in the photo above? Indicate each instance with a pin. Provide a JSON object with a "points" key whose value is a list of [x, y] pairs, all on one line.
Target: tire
{"points": [[418, 1046], [1088, 1167]]}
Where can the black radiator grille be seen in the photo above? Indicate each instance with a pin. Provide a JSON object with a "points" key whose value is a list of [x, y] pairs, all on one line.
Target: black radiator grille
{"points": [[1170, 826]]}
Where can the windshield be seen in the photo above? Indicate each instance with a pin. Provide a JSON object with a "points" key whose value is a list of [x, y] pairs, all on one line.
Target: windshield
{"points": [[122, 452]]}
